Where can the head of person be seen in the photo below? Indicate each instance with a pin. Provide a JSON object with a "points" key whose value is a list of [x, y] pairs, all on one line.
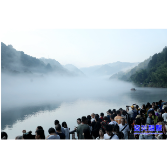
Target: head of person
{"points": [[93, 115], [27, 135], [84, 119], [110, 112], [97, 115], [118, 113], [112, 117], [101, 114], [160, 102], [109, 129], [143, 107], [150, 114], [51, 130], [138, 121], [155, 108], [64, 124], [132, 107], [105, 118], [96, 118], [4, 136], [165, 109], [39, 134], [160, 119], [114, 111], [123, 121], [148, 105], [86, 134], [101, 132], [39, 127], [56, 122], [156, 104], [153, 103], [58, 128], [79, 121], [89, 117], [121, 110], [124, 112]]}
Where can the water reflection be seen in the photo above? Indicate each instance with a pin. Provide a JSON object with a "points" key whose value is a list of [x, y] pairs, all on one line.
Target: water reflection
{"points": [[15, 120], [12, 116]]}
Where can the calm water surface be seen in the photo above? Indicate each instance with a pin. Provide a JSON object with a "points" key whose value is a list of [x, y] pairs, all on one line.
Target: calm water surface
{"points": [[104, 96]]}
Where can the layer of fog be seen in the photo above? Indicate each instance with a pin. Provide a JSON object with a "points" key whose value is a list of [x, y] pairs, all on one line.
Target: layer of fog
{"points": [[23, 91]]}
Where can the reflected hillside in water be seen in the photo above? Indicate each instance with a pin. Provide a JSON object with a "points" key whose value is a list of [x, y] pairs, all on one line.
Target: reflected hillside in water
{"points": [[11, 116]]}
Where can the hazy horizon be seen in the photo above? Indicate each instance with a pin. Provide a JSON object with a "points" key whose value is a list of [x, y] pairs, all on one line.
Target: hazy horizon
{"points": [[88, 47]]}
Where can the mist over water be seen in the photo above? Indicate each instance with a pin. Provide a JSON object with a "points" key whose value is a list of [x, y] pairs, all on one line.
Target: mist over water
{"points": [[27, 102]]}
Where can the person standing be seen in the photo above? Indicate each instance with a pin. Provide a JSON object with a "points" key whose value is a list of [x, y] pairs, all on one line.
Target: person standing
{"points": [[59, 132], [81, 127], [97, 126], [118, 117], [124, 128], [66, 130], [52, 134], [164, 115]]}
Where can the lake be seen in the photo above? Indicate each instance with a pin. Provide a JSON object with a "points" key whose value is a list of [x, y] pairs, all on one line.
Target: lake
{"points": [[28, 103]]}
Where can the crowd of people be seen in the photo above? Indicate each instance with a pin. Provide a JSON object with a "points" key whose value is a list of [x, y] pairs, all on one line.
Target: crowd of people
{"points": [[147, 122]]}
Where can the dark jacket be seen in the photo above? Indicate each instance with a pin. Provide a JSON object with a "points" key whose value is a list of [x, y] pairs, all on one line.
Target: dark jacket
{"points": [[108, 116], [95, 131]]}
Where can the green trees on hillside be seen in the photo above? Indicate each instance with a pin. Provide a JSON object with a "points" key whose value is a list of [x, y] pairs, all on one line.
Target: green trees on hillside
{"points": [[155, 75]]}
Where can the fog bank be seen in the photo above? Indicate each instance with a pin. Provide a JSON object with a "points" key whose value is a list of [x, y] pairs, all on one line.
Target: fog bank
{"points": [[23, 91]]}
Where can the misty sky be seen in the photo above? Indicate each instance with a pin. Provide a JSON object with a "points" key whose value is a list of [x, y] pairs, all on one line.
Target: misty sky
{"points": [[88, 47]]}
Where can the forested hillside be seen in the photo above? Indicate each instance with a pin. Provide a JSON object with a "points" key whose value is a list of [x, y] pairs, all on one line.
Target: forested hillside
{"points": [[155, 75], [17, 62], [126, 75]]}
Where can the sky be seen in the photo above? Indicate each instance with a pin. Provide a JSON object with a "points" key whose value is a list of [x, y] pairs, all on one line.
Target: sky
{"points": [[88, 47]]}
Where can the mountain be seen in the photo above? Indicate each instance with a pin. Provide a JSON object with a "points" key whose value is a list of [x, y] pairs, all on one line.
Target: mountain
{"points": [[126, 74], [55, 65], [155, 74], [17, 62], [90, 70], [108, 69], [112, 68], [74, 70]]}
